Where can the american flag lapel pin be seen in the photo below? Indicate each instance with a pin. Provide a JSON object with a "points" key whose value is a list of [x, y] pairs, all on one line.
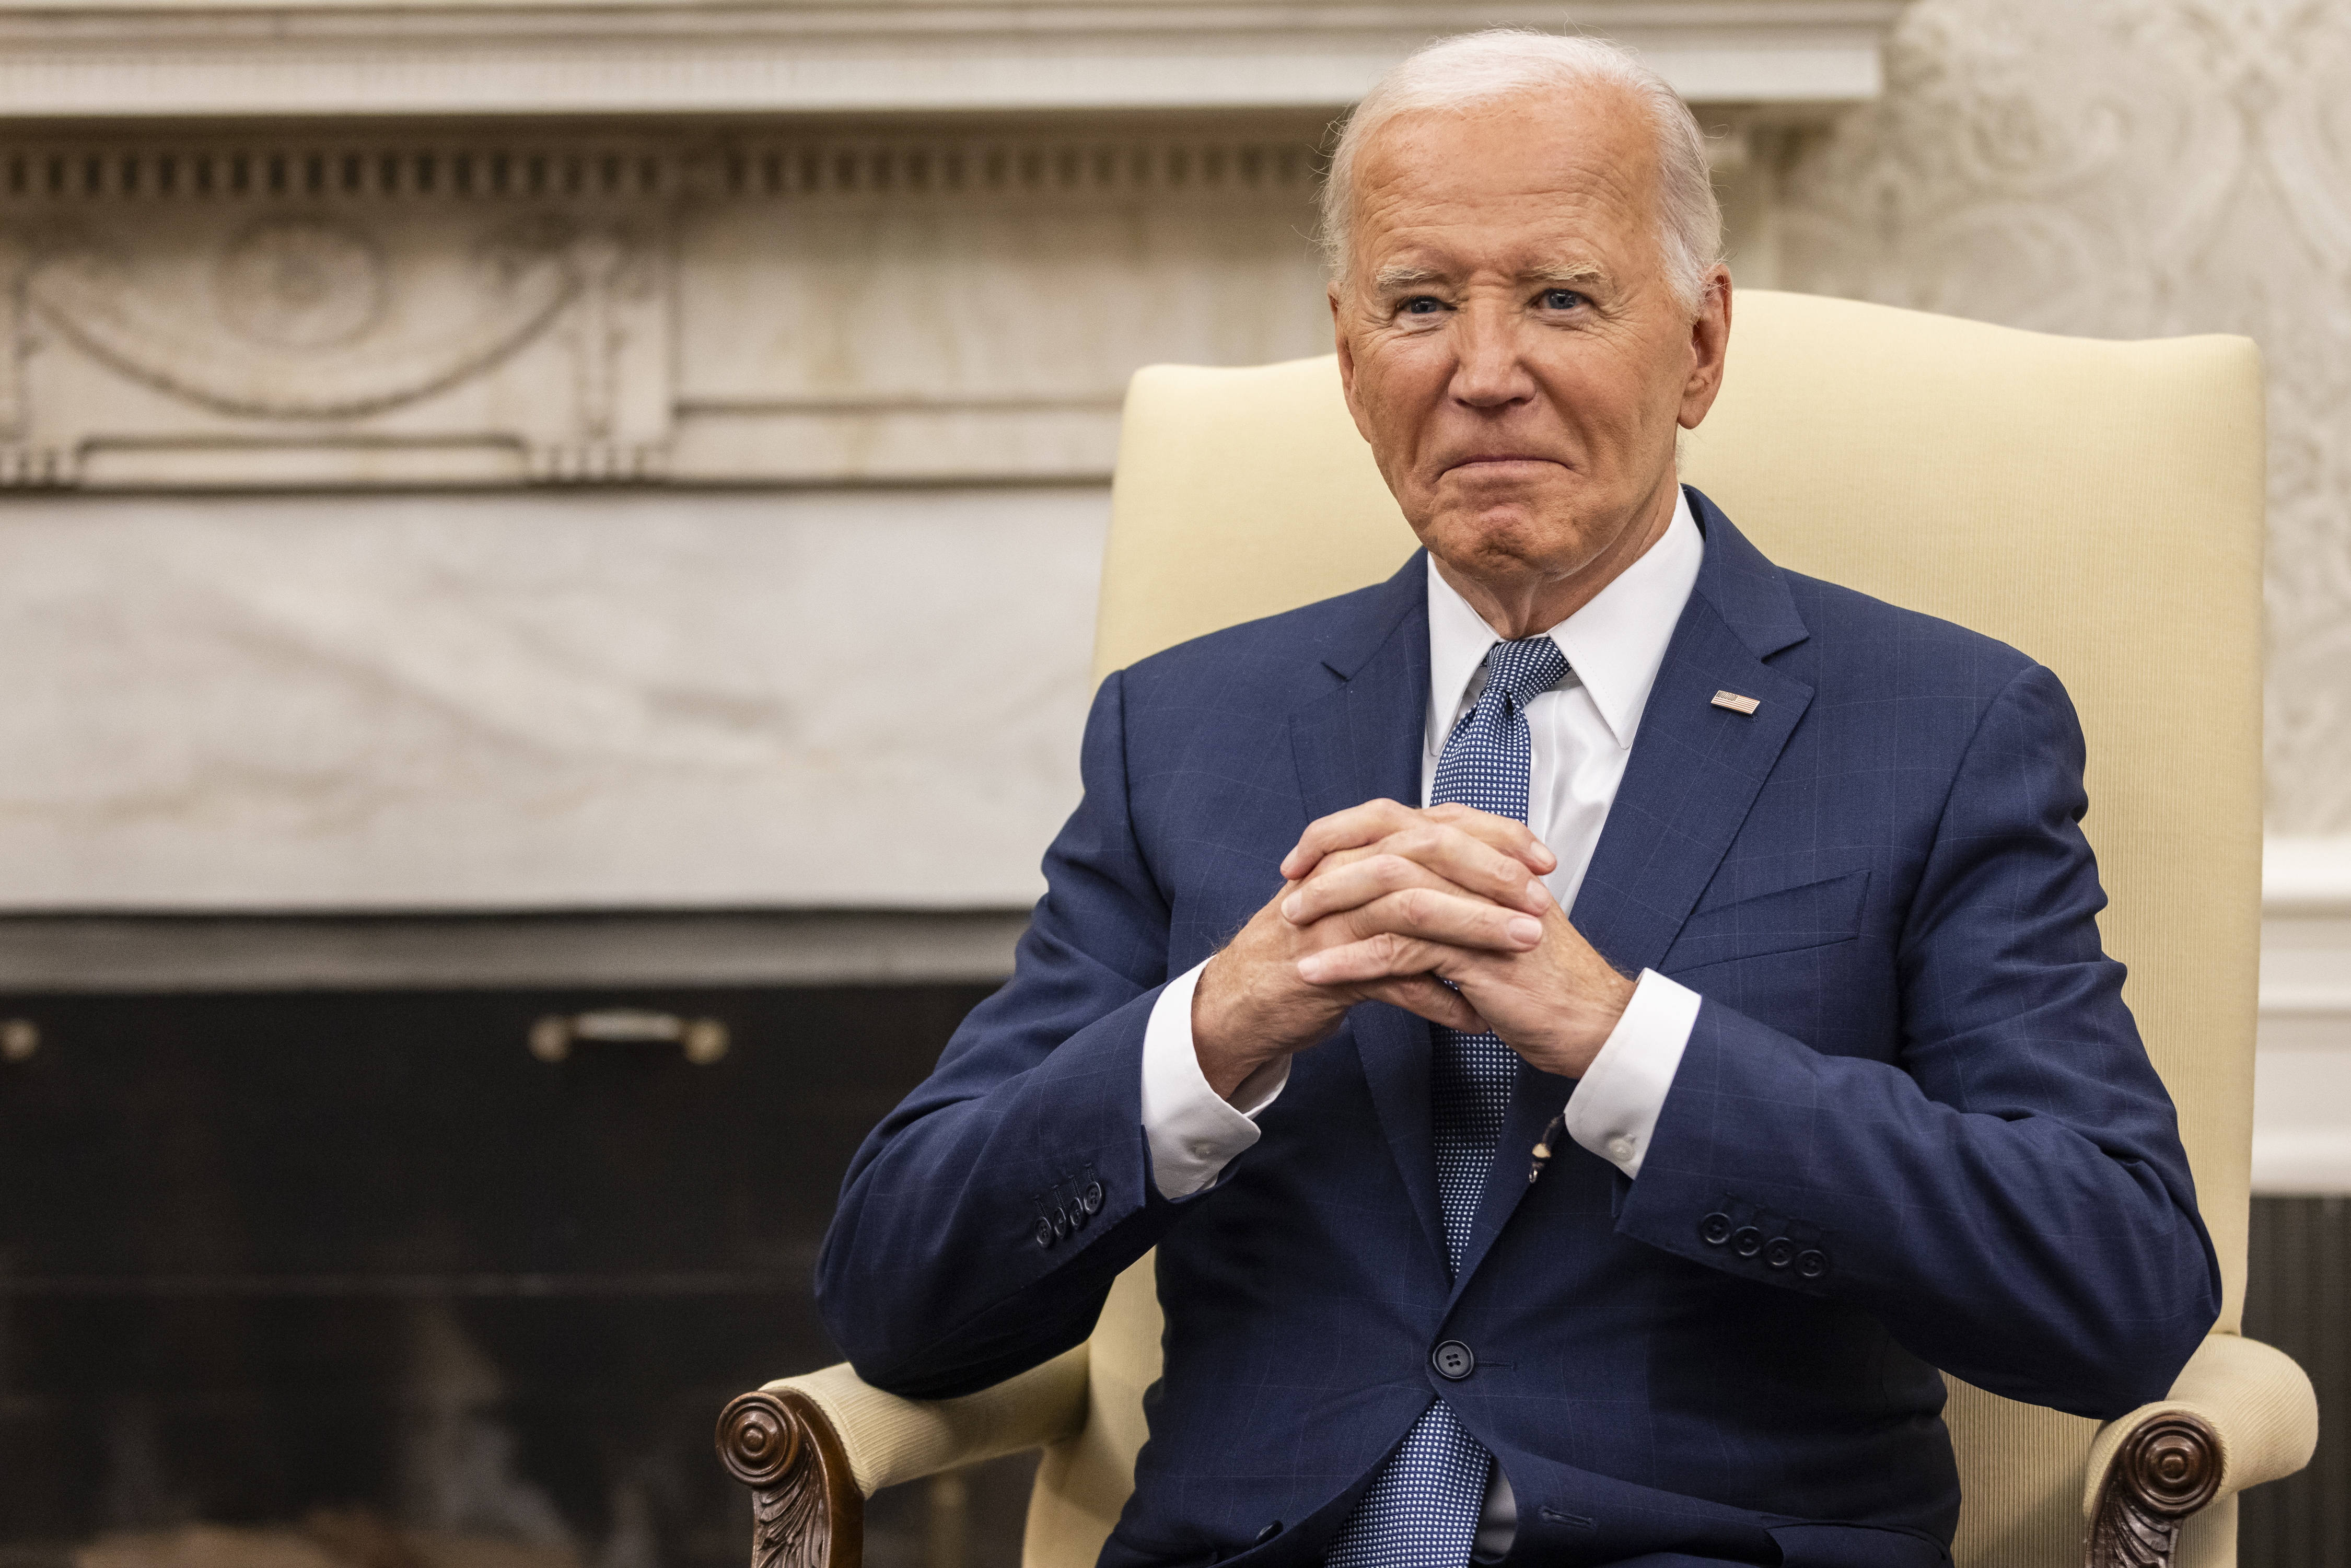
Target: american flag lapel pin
{"points": [[1736, 702]]}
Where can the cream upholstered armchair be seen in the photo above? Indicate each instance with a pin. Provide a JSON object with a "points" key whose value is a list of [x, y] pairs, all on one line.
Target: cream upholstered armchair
{"points": [[2088, 502]]}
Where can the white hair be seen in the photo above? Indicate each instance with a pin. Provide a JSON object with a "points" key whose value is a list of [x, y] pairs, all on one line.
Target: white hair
{"points": [[1476, 68]]}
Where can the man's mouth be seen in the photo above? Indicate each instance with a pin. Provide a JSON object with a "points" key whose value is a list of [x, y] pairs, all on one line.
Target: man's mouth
{"points": [[1498, 459]]}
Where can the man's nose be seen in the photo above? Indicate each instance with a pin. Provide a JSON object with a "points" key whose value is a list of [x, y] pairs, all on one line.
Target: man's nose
{"points": [[1490, 369]]}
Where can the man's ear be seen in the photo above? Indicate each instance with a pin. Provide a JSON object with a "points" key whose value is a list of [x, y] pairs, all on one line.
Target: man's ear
{"points": [[1709, 346], [1346, 359]]}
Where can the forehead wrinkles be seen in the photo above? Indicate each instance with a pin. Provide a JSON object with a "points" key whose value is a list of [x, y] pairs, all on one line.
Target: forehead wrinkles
{"points": [[1572, 167]]}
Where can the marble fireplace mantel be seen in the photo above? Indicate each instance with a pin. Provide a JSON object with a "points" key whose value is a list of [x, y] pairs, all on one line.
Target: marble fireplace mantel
{"points": [[109, 59], [484, 457]]}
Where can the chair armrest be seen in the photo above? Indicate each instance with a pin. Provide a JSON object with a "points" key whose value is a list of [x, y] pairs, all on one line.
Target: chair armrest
{"points": [[2240, 1413], [812, 1449], [889, 1439]]}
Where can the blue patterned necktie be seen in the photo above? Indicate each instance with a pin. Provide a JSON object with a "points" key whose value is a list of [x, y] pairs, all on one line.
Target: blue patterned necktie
{"points": [[1421, 1510]]}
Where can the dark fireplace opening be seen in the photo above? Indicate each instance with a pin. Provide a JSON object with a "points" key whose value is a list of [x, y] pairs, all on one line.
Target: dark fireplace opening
{"points": [[344, 1278], [413, 1279]]}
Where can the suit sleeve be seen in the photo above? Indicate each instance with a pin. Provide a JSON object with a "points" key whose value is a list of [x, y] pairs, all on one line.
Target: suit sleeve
{"points": [[2012, 1199], [981, 1224]]}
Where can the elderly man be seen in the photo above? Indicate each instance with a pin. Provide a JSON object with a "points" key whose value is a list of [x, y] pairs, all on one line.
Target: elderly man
{"points": [[1772, 894]]}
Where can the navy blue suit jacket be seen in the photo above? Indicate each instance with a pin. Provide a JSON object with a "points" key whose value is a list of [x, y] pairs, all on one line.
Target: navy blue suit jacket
{"points": [[1914, 1128]]}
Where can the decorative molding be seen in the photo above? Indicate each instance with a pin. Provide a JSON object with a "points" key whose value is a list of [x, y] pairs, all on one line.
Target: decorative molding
{"points": [[292, 290], [195, 58], [86, 955], [191, 166], [265, 310], [2302, 1088], [282, 311], [2307, 876], [317, 304]]}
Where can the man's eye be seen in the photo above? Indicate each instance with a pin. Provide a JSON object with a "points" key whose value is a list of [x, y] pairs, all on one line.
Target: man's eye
{"points": [[1423, 304], [1560, 298]]}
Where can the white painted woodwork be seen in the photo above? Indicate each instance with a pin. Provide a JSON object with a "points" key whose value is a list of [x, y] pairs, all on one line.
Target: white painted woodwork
{"points": [[190, 59]]}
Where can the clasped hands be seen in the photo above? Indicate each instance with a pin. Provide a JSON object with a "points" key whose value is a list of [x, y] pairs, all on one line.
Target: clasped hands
{"points": [[1385, 903]]}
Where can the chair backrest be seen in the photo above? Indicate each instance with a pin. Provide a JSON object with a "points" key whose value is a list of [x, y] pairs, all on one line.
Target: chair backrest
{"points": [[2098, 505]]}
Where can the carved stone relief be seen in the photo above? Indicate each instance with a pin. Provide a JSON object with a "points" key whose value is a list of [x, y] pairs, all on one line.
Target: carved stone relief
{"points": [[2136, 168], [843, 307], [937, 305], [329, 315]]}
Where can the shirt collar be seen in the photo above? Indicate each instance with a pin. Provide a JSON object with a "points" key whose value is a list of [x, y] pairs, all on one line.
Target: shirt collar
{"points": [[1614, 644]]}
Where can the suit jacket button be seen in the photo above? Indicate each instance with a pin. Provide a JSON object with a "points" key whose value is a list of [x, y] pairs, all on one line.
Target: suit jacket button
{"points": [[1778, 1253], [1060, 1223], [1714, 1229], [1268, 1534], [1092, 1200], [1454, 1360], [1747, 1241], [1811, 1263], [1044, 1232]]}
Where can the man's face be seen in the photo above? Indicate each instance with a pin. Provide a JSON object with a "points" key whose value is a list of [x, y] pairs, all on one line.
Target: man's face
{"points": [[1510, 346]]}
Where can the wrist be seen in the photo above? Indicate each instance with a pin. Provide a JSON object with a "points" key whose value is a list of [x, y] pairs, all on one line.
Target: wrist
{"points": [[1610, 997], [1620, 997], [1223, 1050]]}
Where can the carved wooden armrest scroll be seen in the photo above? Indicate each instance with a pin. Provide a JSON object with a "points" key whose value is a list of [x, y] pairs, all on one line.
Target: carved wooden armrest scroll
{"points": [[2167, 1470], [806, 1509]]}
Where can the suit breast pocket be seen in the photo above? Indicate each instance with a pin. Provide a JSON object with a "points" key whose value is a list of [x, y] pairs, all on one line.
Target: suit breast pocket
{"points": [[1782, 920]]}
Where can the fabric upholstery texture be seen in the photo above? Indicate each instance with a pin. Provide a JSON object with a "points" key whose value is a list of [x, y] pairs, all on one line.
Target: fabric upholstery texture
{"points": [[2255, 1397], [2098, 505], [1083, 1481], [890, 1440]]}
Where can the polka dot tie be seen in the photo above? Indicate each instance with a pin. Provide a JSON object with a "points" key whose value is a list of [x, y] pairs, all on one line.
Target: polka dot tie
{"points": [[1422, 1509]]}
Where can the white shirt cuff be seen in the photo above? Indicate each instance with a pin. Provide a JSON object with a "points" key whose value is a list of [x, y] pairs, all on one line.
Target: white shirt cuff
{"points": [[1193, 1132], [1614, 1111]]}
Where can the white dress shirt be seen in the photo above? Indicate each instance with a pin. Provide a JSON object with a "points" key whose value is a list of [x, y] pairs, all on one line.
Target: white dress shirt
{"points": [[1582, 734]]}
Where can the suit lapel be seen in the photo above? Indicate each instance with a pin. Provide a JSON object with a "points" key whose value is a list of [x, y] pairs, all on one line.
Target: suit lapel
{"points": [[1361, 741], [1695, 771]]}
